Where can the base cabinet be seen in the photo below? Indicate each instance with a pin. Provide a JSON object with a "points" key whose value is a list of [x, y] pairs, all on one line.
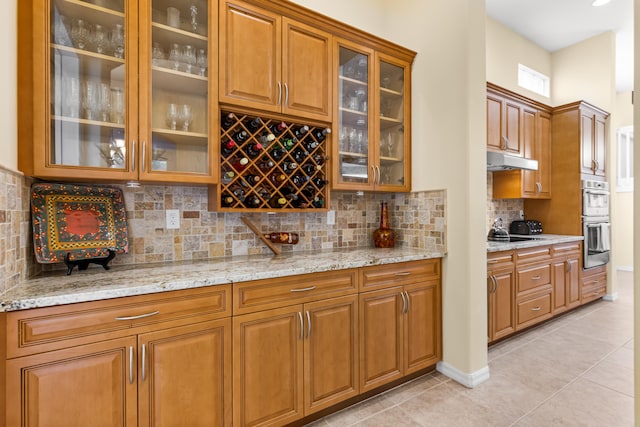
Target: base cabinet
{"points": [[501, 288], [565, 269], [593, 284]]}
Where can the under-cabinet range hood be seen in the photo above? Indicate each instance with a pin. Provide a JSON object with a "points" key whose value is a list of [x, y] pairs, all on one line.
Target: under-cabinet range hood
{"points": [[501, 162]]}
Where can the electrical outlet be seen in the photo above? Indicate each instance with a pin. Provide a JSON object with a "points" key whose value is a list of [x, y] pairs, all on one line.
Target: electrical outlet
{"points": [[173, 219], [521, 214], [331, 217]]}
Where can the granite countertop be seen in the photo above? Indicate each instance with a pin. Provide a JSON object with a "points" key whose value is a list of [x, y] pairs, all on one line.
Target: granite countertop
{"points": [[539, 240], [120, 281]]}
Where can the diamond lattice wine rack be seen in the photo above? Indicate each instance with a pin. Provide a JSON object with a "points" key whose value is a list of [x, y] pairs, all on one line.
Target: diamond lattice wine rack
{"points": [[267, 164]]}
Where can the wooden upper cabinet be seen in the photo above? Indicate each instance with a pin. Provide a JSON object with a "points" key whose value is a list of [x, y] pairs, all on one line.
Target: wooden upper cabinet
{"points": [[273, 63], [593, 128], [504, 123], [97, 107]]}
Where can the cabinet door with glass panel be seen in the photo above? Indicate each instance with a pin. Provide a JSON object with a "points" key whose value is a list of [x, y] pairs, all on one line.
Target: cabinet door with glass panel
{"points": [[89, 129], [177, 50], [355, 165], [393, 136]]}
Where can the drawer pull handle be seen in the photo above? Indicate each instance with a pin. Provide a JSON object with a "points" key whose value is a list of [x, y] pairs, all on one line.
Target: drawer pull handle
{"points": [[310, 288], [131, 365], [536, 309], [404, 273], [595, 282], [140, 316], [536, 278]]}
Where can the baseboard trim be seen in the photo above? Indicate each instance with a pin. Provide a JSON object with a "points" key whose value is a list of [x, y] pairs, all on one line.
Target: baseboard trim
{"points": [[624, 268], [468, 380], [610, 297]]}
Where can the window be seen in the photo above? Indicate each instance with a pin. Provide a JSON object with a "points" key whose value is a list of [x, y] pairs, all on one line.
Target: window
{"points": [[533, 80], [624, 178]]}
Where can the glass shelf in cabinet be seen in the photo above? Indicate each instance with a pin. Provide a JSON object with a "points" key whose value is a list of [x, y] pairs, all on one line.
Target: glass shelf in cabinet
{"points": [[87, 122], [385, 91], [92, 13], [387, 122], [165, 34], [178, 81], [385, 159], [350, 80], [86, 63], [182, 137]]}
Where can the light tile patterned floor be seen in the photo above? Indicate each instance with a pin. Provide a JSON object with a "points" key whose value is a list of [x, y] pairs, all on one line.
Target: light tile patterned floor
{"points": [[576, 370]]}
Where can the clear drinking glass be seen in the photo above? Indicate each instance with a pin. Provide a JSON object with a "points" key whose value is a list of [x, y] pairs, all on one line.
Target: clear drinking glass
{"points": [[90, 100], [202, 62], [117, 105], [105, 102], [174, 55], [71, 97], [172, 116], [117, 39], [157, 53], [186, 116], [100, 39], [193, 9], [189, 57], [80, 33]]}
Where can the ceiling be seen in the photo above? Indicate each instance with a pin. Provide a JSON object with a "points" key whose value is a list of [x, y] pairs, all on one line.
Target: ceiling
{"points": [[556, 24]]}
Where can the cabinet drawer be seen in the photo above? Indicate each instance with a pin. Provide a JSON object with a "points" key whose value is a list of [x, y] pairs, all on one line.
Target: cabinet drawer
{"points": [[593, 284], [566, 248], [537, 253], [272, 293], [500, 260], [384, 276], [533, 277], [45, 329], [534, 310]]}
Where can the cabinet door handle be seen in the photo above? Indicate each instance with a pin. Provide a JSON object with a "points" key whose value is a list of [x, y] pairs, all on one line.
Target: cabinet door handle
{"points": [[408, 301], [133, 155], [131, 365], [494, 281], [379, 175], [144, 362], [505, 142], [308, 324], [139, 316], [144, 153], [404, 303], [279, 93], [286, 95], [567, 266], [536, 309], [301, 325], [310, 288], [538, 187]]}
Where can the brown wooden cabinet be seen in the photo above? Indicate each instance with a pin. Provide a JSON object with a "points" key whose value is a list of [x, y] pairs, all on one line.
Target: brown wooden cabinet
{"points": [[100, 111], [501, 288], [400, 330], [528, 123], [565, 269], [274, 63], [296, 360], [122, 361], [593, 284]]}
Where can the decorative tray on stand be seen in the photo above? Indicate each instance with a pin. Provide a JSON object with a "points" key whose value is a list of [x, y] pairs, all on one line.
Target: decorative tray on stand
{"points": [[78, 224]]}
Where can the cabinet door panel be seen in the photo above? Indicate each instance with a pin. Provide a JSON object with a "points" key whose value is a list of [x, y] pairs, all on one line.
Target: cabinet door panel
{"points": [[529, 143], [513, 125], [187, 379], [330, 352], [381, 345], [558, 269], [573, 281], [250, 68], [501, 310], [82, 386], [268, 367], [306, 71], [494, 122], [422, 326], [586, 143], [600, 145]]}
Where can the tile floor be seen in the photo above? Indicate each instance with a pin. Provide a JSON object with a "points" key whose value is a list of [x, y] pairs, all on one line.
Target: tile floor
{"points": [[576, 370]]}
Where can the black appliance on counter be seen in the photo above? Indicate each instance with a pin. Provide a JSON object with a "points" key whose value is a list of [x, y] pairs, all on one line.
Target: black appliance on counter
{"points": [[525, 227]]}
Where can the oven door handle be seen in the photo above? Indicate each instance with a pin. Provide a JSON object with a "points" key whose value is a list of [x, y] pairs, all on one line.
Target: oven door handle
{"points": [[597, 192]]}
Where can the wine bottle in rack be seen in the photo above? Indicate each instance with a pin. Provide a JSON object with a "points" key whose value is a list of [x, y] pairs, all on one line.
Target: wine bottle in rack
{"points": [[300, 131], [318, 203], [227, 177], [227, 200], [254, 150], [300, 180], [300, 202], [277, 178], [310, 169], [299, 155], [237, 191], [253, 125], [289, 167], [288, 143], [267, 138], [264, 193], [252, 201], [228, 120], [319, 182], [278, 128], [277, 202], [240, 136], [227, 147], [266, 165], [310, 145], [240, 163], [253, 179], [319, 158], [277, 153], [322, 134]]}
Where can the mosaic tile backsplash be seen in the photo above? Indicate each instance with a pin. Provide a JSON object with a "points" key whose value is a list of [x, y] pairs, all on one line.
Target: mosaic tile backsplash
{"points": [[418, 218]]}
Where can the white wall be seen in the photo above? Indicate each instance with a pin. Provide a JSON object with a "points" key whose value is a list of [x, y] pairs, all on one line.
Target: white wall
{"points": [[8, 87], [505, 50]]}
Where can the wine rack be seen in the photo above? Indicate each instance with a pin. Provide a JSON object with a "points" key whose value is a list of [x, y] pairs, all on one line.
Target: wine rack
{"points": [[268, 164]]}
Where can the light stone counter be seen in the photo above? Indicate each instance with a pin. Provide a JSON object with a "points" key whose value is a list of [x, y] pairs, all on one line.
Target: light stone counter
{"points": [[539, 240], [120, 281]]}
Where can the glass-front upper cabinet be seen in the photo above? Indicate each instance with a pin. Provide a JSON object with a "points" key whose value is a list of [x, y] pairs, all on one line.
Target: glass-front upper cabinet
{"points": [[355, 159], [372, 141], [89, 133], [393, 136], [176, 110]]}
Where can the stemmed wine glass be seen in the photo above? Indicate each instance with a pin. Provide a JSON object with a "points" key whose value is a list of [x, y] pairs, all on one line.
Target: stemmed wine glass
{"points": [[117, 39], [174, 55], [186, 116], [172, 116], [80, 33], [189, 57], [117, 105], [105, 101], [90, 101], [100, 38], [202, 62], [194, 14]]}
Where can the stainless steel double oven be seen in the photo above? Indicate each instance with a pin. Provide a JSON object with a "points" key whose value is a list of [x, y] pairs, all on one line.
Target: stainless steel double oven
{"points": [[595, 223]]}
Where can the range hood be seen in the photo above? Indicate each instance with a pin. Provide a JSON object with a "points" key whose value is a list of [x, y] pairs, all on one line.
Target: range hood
{"points": [[502, 162]]}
